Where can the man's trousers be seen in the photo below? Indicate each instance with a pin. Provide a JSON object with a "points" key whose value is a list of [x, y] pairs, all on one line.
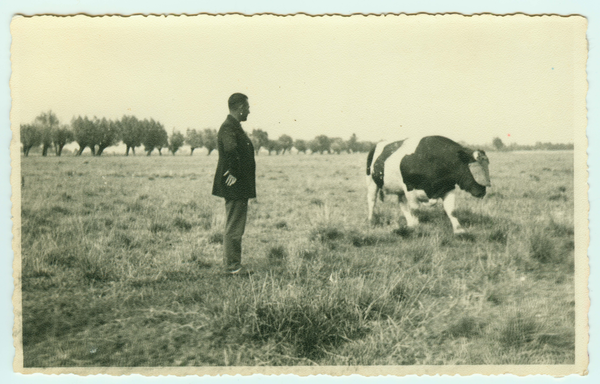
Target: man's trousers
{"points": [[236, 212]]}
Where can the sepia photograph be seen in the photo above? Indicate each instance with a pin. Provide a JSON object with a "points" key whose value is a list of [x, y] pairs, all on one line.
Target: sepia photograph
{"points": [[227, 193]]}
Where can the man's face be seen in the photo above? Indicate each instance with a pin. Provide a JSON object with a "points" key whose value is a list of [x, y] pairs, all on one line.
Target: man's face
{"points": [[243, 111]]}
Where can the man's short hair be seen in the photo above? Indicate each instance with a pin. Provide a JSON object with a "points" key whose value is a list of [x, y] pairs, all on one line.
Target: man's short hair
{"points": [[236, 100]]}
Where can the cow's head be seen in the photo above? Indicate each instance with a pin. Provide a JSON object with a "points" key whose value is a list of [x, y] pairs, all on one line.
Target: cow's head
{"points": [[479, 174]]}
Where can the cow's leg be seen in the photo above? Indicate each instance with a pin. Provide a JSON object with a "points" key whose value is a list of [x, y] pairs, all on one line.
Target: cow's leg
{"points": [[449, 201], [422, 199], [407, 203], [412, 197], [372, 192]]}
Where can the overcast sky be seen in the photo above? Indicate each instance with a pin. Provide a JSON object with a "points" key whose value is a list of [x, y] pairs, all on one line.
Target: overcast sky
{"points": [[469, 78]]}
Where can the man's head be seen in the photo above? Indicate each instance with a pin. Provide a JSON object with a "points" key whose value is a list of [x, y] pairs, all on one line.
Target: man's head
{"points": [[238, 106]]}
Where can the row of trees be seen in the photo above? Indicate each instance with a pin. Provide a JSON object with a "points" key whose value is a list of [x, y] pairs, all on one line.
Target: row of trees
{"points": [[96, 134], [47, 132], [320, 144], [99, 134], [499, 145]]}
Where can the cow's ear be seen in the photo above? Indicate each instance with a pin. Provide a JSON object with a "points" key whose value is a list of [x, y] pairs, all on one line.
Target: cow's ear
{"points": [[465, 157], [479, 156]]}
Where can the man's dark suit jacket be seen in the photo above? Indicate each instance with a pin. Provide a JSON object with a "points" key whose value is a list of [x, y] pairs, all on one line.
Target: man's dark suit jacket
{"points": [[236, 155]]}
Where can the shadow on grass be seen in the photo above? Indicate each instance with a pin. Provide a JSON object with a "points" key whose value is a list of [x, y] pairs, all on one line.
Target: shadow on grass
{"points": [[411, 232], [469, 218], [467, 326], [432, 215]]}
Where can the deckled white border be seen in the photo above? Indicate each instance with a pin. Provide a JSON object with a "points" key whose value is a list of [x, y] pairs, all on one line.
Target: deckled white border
{"points": [[585, 8]]}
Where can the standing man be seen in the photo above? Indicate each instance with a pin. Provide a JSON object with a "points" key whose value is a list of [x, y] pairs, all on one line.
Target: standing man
{"points": [[235, 179]]}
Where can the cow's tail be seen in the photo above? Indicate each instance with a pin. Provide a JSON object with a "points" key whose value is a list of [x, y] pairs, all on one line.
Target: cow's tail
{"points": [[370, 159]]}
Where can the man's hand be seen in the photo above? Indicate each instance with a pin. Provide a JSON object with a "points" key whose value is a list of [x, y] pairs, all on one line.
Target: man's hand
{"points": [[230, 179]]}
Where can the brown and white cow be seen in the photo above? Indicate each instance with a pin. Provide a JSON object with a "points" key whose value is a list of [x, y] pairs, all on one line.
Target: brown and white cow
{"points": [[424, 170]]}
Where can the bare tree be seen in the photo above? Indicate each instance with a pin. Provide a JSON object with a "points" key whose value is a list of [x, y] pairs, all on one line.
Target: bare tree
{"points": [[194, 139], [322, 144], [498, 144], [155, 136], [84, 132], [338, 145], [210, 139], [48, 122], [259, 139], [176, 141], [107, 134], [352, 144], [31, 136], [273, 145], [286, 143], [132, 133], [301, 146], [61, 137]]}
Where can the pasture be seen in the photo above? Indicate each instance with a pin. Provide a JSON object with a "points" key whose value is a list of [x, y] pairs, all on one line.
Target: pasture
{"points": [[121, 267]]}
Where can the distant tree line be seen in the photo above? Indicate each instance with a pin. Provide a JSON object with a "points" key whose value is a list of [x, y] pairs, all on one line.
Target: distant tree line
{"points": [[320, 144], [97, 134], [101, 133], [498, 145]]}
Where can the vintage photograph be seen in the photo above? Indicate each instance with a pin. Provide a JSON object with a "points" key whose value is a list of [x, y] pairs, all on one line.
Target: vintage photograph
{"points": [[383, 194]]}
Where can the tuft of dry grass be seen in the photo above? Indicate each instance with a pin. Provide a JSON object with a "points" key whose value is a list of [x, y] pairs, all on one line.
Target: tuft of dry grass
{"points": [[277, 254], [383, 218], [216, 238], [281, 224], [466, 326], [182, 224], [318, 202], [499, 236], [518, 331], [325, 232], [542, 247], [157, 226]]}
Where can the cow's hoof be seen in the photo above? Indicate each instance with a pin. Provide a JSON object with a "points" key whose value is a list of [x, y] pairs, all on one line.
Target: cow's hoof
{"points": [[459, 231]]}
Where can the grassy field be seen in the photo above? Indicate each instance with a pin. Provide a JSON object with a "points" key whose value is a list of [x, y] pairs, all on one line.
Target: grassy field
{"points": [[121, 266]]}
